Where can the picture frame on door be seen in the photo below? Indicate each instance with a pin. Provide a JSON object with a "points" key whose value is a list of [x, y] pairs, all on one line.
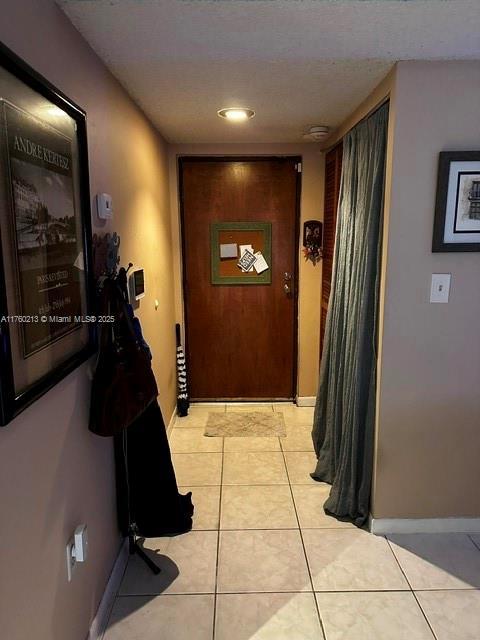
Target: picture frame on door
{"points": [[457, 209], [45, 267]]}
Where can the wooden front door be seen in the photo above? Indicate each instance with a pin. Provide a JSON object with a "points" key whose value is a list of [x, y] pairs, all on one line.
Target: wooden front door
{"points": [[240, 338]]}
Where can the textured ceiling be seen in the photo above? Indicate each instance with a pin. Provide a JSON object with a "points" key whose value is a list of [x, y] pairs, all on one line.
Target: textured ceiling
{"points": [[296, 62]]}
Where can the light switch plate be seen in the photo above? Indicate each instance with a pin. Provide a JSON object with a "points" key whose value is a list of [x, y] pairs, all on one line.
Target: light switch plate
{"points": [[104, 206], [440, 289]]}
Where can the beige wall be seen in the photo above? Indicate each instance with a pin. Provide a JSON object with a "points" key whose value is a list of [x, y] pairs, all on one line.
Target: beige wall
{"points": [[54, 474], [428, 438], [379, 94], [309, 276]]}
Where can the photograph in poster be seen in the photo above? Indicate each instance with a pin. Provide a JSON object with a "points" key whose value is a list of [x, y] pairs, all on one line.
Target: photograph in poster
{"points": [[457, 208], [467, 204], [48, 261]]}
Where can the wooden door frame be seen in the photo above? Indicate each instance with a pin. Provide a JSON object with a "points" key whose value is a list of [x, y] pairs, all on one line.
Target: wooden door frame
{"points": [[296, 262]]}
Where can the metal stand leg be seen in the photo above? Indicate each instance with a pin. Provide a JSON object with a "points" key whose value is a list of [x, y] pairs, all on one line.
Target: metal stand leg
{"points": [[133, 545]]}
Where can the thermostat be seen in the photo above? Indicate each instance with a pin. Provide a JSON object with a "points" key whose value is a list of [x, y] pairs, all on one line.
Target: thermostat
{"points": [[136, 283], [104, 206]]}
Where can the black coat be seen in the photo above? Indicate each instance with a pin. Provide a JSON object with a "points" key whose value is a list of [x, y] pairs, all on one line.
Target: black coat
{"points": [[156, 506]]}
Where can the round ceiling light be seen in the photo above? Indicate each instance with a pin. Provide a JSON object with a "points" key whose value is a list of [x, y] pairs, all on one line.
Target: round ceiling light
{"points": [[236, 114], [317, 133]]}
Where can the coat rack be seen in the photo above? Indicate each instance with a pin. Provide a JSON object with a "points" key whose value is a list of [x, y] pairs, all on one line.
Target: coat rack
{"points": [[106, 261]]}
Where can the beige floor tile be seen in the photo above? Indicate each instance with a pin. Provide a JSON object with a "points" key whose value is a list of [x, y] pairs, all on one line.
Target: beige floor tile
{"points": [[351, 560], [259, 507], [252, 561], [254, 468], [372, 616], [187, 564], [267, 616], [300, 465], [438, 561], [207, 506], [284, 406], [185, 440], [296, 415], [453, 615], [196, 419], [207, 406], [260, 443], [268, 407], [299, 438], [166, 617], [309, 501], [198, 469]]}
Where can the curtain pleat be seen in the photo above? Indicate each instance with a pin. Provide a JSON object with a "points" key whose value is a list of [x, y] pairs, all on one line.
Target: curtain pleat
{"points": [[343, 430]]}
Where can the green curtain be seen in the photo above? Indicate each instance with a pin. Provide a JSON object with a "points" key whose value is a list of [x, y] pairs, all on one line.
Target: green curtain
{"points": [[343, 429]]}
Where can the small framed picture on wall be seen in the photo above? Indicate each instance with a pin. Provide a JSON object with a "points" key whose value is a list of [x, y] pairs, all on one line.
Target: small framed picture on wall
{"points": [[457, 209]]}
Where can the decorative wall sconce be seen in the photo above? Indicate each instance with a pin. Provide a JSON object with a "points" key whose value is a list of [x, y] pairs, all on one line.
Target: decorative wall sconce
{"points": [[312, 241]]}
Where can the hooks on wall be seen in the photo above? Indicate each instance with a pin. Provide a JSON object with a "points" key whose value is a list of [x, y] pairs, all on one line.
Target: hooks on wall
{"points": [[105, 254]]}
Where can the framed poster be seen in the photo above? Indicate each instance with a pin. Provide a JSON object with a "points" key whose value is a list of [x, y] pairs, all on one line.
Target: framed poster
{"points": [[237, 250], [457, 210], [45, 272]]}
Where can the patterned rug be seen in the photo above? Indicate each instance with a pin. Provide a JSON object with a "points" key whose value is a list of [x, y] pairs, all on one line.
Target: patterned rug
{"points": [[245, 423]]}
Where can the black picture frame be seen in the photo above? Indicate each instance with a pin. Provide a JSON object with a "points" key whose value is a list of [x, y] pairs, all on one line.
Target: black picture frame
{"points": [[447, 236], [13, 401]]}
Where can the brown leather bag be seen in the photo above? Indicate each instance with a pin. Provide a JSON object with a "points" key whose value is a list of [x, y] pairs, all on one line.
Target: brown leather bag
{"points": [[123, 383]]}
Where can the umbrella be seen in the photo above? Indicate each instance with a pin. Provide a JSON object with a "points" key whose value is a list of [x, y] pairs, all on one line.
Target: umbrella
{"points": [[182, 394]]}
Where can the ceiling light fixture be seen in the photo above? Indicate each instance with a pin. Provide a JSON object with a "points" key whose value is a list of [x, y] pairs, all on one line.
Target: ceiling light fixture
{"points": [[317, 133], [236, 114]]}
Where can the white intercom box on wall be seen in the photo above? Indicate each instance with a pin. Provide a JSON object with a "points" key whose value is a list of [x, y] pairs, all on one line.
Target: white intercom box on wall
{"points": [[136, 283]]}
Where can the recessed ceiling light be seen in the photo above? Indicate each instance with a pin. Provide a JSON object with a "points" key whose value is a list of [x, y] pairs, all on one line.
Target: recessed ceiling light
{"points": [[236, 114]]}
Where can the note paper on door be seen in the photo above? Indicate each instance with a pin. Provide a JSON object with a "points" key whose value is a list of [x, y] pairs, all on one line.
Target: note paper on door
{"points": [[228, 250], [246, 261], [243, 249], [260, 264]]}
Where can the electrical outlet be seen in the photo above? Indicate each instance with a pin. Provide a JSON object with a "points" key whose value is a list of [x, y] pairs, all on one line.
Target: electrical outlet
{"points": [[71, 561]]}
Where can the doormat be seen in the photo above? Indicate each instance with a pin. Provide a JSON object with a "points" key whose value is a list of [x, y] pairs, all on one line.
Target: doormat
{"points": [[245, 423]]}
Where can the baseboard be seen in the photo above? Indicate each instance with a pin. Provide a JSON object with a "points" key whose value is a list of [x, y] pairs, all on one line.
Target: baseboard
{"points": [[99, 623], [306, 401], [384, 526], [172, 422]]}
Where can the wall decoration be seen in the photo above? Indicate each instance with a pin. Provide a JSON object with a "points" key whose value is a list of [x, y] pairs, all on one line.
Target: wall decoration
{"points": [[252, 239], [45, 275], [457, 209], [312, 241], [105, 258]]}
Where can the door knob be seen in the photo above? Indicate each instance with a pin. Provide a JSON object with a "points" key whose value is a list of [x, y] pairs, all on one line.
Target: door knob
{"points": [[287, 276], [286, 288]]}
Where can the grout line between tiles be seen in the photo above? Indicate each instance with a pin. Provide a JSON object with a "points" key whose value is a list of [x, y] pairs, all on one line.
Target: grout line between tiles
{"points": [[324, 634], [411, 588], [211, 593], [218, 543], [477, 546], [163, 595]]}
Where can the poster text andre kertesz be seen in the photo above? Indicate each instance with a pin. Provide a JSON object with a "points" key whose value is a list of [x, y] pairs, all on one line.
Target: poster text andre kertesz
{"points": [[41, 153]]}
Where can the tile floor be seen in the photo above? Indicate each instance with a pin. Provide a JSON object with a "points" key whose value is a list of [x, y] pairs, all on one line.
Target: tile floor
{"points": [[264, 562]]}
